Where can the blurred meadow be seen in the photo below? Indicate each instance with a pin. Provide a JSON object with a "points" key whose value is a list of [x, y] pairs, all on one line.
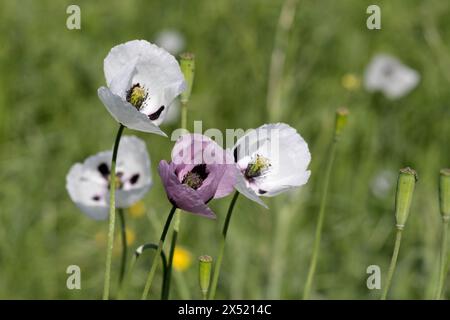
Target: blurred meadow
{"points": [[51, 117]]}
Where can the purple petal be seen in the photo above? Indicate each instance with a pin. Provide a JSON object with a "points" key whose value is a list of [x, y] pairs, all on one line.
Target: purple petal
{"points": [[181, 195], [229, 178], [209, 187]]}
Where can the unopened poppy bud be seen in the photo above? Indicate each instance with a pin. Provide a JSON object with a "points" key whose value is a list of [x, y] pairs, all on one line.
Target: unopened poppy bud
{"points": [[204, 273], [444, 193], [341, 121], [405, 188], [187, 64]]}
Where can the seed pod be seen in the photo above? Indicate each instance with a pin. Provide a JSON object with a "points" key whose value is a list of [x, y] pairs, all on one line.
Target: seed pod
{"points": [[405, 188], [444, 193], [187, 64], [204, 273], [341, 121]]}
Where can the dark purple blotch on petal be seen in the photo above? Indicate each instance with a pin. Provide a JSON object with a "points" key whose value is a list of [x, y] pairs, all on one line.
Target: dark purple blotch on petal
{"points": [[134, 179], [103, 169], [154, 116]]}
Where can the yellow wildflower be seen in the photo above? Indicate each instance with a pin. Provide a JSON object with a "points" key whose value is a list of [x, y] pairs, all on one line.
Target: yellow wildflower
{"points": [[351, 82], [182, 259], [137, 210]]}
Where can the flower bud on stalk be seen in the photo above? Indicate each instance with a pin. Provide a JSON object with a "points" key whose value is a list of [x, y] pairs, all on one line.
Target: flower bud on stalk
{"points": [[187, 64], [405, 188], [341, 121], [444, 193], [204, 274]]}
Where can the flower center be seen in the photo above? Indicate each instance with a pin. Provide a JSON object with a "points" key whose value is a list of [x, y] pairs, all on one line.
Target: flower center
{"points": [[106, 173], [257, 167], [388, 70], [136, 95], [195, 177], [118, 181]]}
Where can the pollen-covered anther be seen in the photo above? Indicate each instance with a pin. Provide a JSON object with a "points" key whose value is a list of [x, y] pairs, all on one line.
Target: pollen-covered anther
{"points": [[195, 177], [257, 167], [136, 95]]}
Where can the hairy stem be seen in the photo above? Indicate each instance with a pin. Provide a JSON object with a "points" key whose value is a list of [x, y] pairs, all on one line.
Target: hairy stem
{"points": [[443, 260], [398, 239], [112, 215], [123, 233]]}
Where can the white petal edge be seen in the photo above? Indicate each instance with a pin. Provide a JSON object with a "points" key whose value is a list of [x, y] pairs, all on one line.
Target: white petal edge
{"points": [[78, 194], [241, 186], [121, 55]]}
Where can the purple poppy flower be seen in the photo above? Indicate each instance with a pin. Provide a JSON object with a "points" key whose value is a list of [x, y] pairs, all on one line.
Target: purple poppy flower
{"points": [[200, 171]]}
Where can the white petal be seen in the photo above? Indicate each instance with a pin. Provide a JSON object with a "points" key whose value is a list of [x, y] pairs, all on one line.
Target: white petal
{"points": [[172, 114], [120, 56], [124, 113], [126, 198], [277, 186], [82, 190], [124, 81], [133, 161], [241, 186], [92, 163]]}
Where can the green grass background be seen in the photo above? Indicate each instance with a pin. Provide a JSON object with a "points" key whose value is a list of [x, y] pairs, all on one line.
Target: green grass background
{"points": [[51, 117]]}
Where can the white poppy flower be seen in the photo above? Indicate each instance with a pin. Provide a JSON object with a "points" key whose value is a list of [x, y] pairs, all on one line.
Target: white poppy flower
{"points": [[171, 40], [142, 81], [390, 76], [271, 159], [88, 182]]}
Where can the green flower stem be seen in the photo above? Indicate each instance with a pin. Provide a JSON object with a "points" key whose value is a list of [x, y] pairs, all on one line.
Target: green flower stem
{"points": [[123, 233], [166, 287], [151, 274], [443, 259], [134, 259], [184, 115], [112, 215], [323, 202], [212, 292], [398, 239]]}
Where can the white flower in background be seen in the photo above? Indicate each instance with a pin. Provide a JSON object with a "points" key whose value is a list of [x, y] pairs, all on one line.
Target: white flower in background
{"points": [[171, 40], [271, 159], [388, 75], [88, 182], [383, 183], [142, 81]]}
